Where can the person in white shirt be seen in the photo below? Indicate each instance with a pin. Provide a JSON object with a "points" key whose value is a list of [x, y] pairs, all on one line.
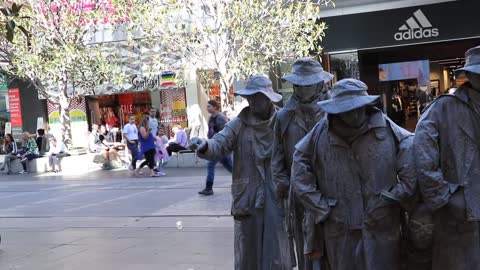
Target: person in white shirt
{"points": [[94, 145], [179, 141], [130, 131], [57, 152]]}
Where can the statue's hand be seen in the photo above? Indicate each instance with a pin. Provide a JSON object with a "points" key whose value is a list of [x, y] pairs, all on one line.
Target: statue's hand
{"points": [[197, 144]]}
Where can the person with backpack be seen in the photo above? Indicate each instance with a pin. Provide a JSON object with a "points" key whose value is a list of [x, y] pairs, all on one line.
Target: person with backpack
{"points": [[216, 123]]}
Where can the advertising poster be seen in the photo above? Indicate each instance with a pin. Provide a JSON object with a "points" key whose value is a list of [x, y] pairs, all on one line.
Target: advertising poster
{"points": [[15, 107], [419, 70]]}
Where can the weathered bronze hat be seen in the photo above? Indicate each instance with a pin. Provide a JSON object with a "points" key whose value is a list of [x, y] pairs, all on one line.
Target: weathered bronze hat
{"points": [[347, 95], [259, 84], [307, 71], [473, 62]]}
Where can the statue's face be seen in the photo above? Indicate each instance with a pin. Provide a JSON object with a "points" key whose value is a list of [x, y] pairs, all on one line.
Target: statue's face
{"points": [[474, 79], [259, 103], [354, 118], [307, 92]]}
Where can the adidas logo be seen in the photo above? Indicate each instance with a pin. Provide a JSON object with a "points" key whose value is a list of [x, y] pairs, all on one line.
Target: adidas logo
{"points": [[416, 27]]}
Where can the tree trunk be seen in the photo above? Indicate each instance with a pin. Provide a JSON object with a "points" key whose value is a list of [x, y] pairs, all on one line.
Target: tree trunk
{"points": [[64, 110], [225, 96], [226, 83]]}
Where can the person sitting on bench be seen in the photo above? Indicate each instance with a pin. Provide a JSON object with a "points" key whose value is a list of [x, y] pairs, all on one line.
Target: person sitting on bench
{"points": [[57, 152], [29, 150], [179, 141], [10, 148]]}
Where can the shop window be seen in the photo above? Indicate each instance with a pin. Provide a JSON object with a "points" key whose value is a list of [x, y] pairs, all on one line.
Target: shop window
{"points": [[114, 109], [173, 109], [344, 65]]}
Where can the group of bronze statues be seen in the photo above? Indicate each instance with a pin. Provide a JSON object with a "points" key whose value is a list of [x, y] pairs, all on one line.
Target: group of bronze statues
{"points": [[330, 182]]}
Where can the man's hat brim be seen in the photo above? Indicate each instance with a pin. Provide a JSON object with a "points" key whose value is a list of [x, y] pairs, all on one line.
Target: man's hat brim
{"points": [[346, 104]]}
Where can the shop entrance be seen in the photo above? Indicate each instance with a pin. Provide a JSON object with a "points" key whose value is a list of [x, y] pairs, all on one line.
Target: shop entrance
{"points": [[412, 75], [112, 111], [404, 101]]}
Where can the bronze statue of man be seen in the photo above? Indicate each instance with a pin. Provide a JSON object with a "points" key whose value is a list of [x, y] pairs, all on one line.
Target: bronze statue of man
{"points": [[291, 124], [352, 172], [447, 157], [260, 239]]}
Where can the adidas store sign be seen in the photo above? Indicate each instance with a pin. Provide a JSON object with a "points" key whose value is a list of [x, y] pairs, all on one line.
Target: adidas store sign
{"points": [[416, 27]]}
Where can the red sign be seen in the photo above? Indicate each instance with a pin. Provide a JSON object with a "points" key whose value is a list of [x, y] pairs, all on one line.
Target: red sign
{"points": [[15, 107]]}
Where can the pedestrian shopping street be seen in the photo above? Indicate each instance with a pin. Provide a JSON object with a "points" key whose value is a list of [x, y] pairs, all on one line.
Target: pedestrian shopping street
{"points": [[109, 220]]}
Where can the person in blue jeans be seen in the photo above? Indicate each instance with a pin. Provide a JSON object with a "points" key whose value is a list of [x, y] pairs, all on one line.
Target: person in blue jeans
{"points": [[130, 132], [215, 124]]}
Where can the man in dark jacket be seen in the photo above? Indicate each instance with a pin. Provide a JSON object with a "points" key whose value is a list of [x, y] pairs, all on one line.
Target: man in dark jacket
{"points": [[447, 157], [215, 124], [352, 172], [291, 124]]}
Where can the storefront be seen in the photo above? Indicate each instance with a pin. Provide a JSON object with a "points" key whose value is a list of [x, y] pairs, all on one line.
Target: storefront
{"points": [[113, 110], [408, 55], [20, 108]]}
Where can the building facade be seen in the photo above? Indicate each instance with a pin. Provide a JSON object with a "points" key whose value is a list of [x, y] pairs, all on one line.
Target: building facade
{"points": [[405, 51]]}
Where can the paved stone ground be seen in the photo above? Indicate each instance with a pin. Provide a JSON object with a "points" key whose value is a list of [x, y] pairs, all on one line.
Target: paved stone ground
{"points": [[110, 220]]}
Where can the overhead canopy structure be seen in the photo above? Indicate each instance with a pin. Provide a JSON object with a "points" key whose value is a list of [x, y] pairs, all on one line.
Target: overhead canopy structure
{"points": [[146, 68]]}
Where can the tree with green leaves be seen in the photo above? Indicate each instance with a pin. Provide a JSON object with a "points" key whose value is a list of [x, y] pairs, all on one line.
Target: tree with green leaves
{"points": [[56, 52], [237, 38], [12, 14]]}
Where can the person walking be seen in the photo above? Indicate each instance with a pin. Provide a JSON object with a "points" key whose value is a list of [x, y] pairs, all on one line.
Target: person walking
{"points": [[29, 150], [147, 146], [216, 123], [353, 172], [260, 239], [10, 148], [291, 124], [447, 158], [130, 131]]}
